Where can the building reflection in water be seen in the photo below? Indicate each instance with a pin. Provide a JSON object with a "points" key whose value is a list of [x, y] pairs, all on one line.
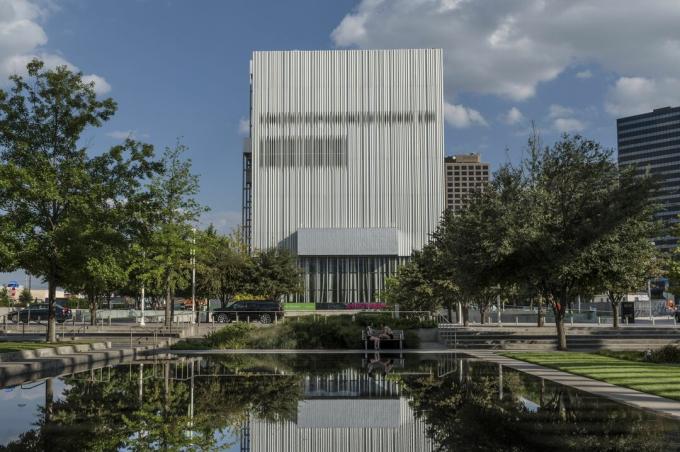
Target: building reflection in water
{"points": [[349, 410]]}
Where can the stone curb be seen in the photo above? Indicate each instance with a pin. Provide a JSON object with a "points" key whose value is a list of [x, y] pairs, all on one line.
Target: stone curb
{"points": [[41, 367], [52, 351]]}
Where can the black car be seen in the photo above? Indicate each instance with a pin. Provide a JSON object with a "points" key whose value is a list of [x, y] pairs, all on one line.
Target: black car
{"points": [[40, 312], [264, 311]]}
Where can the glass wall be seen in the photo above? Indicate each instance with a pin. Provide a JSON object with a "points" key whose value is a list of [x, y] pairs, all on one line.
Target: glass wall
{"points": [[346, 279]]}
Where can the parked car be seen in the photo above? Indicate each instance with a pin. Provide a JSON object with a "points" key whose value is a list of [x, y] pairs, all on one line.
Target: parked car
{"points": [[264, 311], [40, 312]]}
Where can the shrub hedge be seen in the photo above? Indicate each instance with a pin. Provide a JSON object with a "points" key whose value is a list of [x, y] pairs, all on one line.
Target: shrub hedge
{"points": [[308, 332]]}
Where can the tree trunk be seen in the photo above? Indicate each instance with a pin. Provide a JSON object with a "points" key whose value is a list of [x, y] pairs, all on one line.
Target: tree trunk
{"points": [[540, 316], [92, 300], [450, 312], [615, 312], [482, 314], [466, 315], [168, 305], [51, 321], [561, 333]]}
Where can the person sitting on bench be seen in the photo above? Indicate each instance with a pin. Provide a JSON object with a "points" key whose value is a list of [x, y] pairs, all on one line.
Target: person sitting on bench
{"points": [[377, 365], [386, 333], [377, 335]]}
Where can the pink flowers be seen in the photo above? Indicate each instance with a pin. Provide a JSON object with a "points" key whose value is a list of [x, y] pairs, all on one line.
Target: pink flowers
{"points": [[366, 306]]}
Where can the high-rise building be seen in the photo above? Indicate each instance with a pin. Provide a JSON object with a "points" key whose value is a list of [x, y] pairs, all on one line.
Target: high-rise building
{"points": [[465, 174], [651, 142], [344, 164]]}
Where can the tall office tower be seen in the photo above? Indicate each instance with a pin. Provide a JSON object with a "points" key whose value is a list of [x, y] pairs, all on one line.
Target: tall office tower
{"points": [[651, 141], [345, 163], [464, 174]]}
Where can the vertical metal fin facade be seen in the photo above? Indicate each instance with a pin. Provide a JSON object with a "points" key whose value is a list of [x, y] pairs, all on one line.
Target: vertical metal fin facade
{"points": [[346, 139]]}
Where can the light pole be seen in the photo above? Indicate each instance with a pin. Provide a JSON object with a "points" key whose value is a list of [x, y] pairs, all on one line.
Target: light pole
{"points": [[193, 277], [142, 322]]}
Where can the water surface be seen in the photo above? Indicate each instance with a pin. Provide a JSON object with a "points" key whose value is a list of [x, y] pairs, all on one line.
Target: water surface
{"points": [[319, 402]]}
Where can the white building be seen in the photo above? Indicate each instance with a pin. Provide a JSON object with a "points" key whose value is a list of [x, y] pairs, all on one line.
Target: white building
{"points": [[345, 163]]}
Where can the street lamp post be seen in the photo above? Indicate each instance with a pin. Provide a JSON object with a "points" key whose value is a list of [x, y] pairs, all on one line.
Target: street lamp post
{"points": [[193, 277], [142, 322]]}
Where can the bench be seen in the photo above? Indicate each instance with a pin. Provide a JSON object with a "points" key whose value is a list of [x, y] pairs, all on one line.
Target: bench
{"points": [[397, 335]]}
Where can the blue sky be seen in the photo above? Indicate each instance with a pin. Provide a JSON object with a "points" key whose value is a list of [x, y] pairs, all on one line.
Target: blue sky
{"points": [[180, 68]]}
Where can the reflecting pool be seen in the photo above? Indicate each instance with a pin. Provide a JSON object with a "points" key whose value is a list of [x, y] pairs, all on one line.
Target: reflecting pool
{"points": [[319, 402]]}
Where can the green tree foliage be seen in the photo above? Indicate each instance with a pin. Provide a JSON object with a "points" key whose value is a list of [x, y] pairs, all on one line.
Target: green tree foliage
{"points": [[223, 265], [25, 297], [5, 300], [579, 199], [103, 253], [626, 258], [274, 273], [166, 247], [49, 184], [410, 289], [567, 221]]}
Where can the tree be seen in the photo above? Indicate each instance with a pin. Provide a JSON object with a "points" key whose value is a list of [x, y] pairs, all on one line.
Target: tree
{"points": [[25, 297], [117, 204], [168, 241], [410, 289], [576, 198], [626, 259], [5, 300], [275, 273], [467, 246], [45, 175], [223, 264]]}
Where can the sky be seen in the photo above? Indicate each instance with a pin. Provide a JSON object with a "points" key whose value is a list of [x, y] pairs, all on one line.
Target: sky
{"points": [[179, 68]]}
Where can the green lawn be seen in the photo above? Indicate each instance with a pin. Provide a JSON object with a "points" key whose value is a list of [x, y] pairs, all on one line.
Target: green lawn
{"points": [[7, 346], [658, 379]]}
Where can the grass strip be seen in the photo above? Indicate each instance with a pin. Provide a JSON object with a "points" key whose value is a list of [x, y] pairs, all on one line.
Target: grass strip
{"points": [[658, 379]]}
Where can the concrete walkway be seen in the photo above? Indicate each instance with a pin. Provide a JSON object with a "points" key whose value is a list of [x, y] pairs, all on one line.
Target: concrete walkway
{"points": [[631, 397]]}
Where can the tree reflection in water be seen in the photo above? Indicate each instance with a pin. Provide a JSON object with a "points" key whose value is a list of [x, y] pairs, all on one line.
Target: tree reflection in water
{"points": [[202, 404], [479, 408], [109, 414]]}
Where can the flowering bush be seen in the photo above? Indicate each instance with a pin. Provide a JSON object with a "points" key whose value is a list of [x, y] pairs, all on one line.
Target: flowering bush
{"points": [[366, 306]]}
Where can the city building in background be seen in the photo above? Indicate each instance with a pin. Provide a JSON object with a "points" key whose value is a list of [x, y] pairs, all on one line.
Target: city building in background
{"points": [[465, 174], [651, 142], [344, 165]]}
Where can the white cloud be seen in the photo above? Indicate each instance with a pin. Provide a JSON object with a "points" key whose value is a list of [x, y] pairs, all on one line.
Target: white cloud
{"points": [[565, 125], [559, 111], [243, 126], [121, 134], [513, 116], [461, 117], [101, 86], [564, 120], [125, 134], [584, 74], [224, 221], [22, 38], [507, 48], [635, 95]]}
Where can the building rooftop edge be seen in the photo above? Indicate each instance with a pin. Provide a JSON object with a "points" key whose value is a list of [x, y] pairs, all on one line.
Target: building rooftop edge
{"points": [[348, 50], [654, 112]]}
